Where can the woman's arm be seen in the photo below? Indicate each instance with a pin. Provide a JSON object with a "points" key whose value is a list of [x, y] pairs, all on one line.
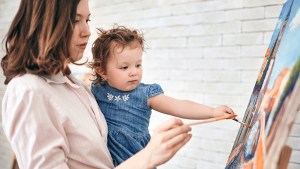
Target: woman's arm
{"points": [[185, 108], [167, 139], [31, 130]]}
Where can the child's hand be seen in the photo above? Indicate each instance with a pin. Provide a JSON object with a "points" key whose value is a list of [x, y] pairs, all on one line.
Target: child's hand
{"points": [[222, 111]]}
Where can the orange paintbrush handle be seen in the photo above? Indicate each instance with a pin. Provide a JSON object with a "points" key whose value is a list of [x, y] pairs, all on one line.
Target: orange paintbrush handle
{"points": [[229, 116]]}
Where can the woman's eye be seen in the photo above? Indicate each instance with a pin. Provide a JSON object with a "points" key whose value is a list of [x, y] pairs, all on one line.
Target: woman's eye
{"points": [[88, 20]]}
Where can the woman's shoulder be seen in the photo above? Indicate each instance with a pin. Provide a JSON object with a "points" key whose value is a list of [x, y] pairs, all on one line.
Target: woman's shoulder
{"points": [[27, 81]]}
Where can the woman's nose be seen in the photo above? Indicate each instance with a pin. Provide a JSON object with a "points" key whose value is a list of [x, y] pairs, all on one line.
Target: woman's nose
{"points": [[85, 30]]}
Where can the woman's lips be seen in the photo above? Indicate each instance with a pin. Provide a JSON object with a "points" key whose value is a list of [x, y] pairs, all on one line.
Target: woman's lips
{"points": [[82, 46]]}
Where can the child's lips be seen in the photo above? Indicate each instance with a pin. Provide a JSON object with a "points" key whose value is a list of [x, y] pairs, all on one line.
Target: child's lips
{"points": [[133, 81]]}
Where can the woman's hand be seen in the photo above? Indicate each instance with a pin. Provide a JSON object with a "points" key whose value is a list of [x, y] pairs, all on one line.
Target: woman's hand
{"points": [[222, 111], [167, 139]]}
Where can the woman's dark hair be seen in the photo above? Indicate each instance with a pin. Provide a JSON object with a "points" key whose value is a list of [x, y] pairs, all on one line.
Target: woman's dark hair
{"points": [[38, 39], [101, 47]]}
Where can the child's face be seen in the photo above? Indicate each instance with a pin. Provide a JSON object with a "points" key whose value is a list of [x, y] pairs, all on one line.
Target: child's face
{"points": [[124, 66]]}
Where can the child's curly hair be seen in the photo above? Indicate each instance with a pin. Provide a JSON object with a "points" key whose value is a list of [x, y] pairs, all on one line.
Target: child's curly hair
{"points": [[101, 46]]}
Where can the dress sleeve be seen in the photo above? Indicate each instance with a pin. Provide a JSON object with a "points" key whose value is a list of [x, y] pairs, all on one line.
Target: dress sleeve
{"points": [[30, 124], [155, 89]]}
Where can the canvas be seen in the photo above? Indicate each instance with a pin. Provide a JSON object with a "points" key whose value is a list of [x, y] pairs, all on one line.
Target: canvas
{"points": [[275, 99]]}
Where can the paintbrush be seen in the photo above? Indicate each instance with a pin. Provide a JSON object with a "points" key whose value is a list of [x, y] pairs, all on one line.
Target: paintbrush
{"points": [[229, 116], [246, 125]]}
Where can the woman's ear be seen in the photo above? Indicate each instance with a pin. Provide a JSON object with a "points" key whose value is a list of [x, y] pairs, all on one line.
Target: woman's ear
{"points": [[101, 72]]}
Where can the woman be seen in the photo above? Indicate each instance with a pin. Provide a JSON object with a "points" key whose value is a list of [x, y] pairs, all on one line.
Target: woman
{"points": [[49, 117]]}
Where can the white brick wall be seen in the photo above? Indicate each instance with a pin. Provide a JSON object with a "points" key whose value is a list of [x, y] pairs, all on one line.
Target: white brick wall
{"points": [[209, 51]]}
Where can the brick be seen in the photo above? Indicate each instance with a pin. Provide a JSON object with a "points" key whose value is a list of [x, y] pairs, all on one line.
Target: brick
{"points": [[243, 39], [167, 43], [297, 120], [253, 3], [124, 7], [259, 25], [162, 32], [293, 142], [207, 17], [213, 29], [249, 76], [222, 52], [253, 51], [221, 99], [221, 76], [187, 53], [185, 75], [294, 165], [267, 38], [204, 41], [245, 14], [295, 156], [203, 64], [273, 11], [295, 131], [209, 165]]}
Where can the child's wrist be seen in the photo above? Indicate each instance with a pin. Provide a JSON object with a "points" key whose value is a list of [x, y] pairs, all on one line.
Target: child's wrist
{"points": [[214, 112]]}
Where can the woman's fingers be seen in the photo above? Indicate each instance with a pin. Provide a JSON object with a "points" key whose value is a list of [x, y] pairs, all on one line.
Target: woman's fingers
{"points": [[167, 125], [167, 139], [172, 128], [176, 131], [178, 141]]}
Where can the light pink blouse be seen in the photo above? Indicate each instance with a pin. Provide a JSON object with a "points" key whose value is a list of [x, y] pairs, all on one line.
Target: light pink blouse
{"points": [[54, 123]]}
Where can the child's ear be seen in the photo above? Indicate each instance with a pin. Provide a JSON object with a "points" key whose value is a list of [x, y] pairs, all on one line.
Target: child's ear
{"points": [[101, 72]]}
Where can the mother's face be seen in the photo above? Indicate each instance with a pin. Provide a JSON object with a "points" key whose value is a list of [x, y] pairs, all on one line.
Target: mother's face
{"points": [[81, 31]]}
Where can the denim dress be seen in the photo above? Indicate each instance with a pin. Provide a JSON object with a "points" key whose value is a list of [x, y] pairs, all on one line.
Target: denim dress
{"points": [[127, 115]]}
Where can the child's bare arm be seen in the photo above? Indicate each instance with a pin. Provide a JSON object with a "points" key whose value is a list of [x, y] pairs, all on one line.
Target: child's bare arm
{"points": [[185, 108]]}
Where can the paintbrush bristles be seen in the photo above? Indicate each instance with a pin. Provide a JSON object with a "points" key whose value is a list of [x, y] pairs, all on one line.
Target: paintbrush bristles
{"points": [[247, 125]]}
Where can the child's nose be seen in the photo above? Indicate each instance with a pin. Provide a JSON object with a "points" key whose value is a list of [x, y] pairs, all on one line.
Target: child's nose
{"points": [[133, 72]]}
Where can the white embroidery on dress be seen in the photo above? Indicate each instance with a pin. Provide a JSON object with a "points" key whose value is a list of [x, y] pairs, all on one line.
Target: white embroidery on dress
{"points": [[110, 96], [125, 97], [118, 98]]}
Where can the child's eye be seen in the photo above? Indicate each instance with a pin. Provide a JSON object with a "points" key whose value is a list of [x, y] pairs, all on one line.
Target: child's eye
{"points": [[139, 65], [124, 68]]}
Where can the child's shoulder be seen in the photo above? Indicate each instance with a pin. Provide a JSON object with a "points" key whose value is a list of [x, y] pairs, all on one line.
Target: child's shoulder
{"points": [[149, 85], [151, 89]]}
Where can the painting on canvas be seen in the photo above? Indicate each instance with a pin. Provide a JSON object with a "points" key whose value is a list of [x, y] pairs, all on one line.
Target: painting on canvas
{"points": [[275, 99]]}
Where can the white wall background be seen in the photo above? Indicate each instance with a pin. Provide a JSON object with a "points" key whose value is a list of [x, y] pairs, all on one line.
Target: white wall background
{"points": [[209, 51]]}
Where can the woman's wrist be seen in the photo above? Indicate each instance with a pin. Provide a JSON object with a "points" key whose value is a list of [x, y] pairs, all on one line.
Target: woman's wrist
{"points": [[141, 160]]}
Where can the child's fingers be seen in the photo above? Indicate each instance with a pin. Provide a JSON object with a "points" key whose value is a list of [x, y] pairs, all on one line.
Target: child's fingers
{"points": [[229, 110]]}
